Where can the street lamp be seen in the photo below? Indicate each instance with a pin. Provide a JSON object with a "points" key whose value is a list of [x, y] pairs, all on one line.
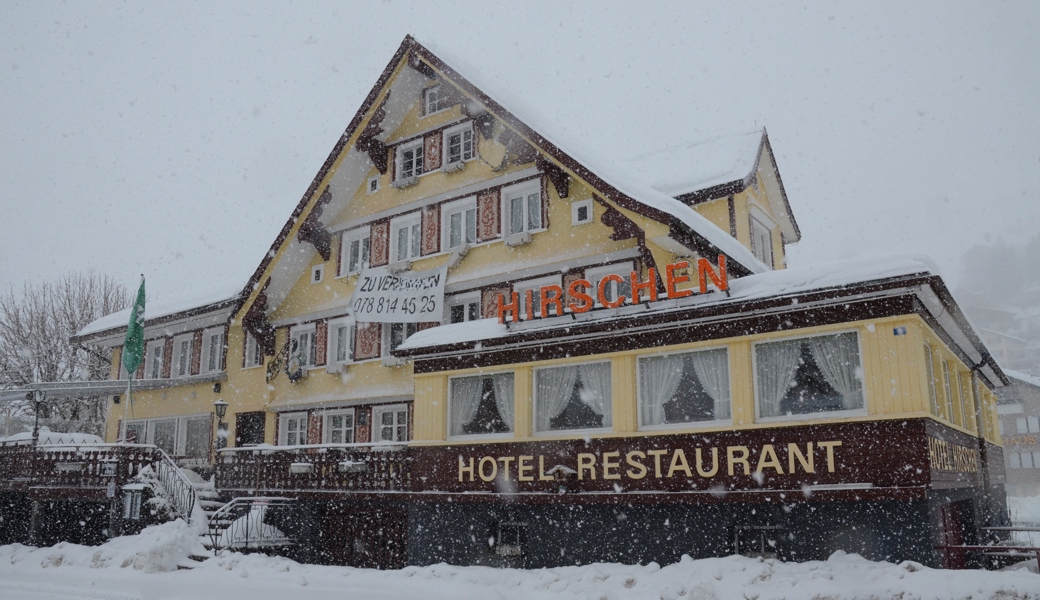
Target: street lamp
{"points": [[220, 407]]}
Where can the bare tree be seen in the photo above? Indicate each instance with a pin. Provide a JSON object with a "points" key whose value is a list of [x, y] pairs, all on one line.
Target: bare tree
{"points": [[35, 328]]}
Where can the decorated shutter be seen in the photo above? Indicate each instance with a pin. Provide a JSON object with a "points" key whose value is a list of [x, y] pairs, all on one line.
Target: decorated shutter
{"points": [[223, 348], [431, 230], [432, 151], [140, 369], [379, 252], [488, 220], [196, 353], [367, 345], [362, 417], [489, 304], [314, 427], [167, 358], [567, 280], [339, 254], [427, 325], [321, 337]]}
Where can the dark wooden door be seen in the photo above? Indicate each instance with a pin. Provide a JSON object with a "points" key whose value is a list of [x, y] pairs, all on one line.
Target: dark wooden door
{"points": [[951, 529], [368, 538], [249, 428]]}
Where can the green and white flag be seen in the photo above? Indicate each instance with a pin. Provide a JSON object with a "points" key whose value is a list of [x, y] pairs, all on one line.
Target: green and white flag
{"points": [[133, 345]]}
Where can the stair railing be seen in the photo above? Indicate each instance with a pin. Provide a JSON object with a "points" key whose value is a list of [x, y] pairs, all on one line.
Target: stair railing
{"points": [[240, 524], [180, 491]]}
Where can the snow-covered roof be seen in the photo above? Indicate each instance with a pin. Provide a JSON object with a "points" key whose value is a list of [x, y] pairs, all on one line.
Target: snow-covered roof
{"points": [[54, 438], [753, 287], [698, 165], [1024, 377], [155, 309], [598, 159]]}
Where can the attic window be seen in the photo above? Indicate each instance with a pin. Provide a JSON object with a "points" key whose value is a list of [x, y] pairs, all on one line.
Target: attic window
{"points": [[434, 100], [410, 160], [318, 274], [581, 212], [373, 184]]}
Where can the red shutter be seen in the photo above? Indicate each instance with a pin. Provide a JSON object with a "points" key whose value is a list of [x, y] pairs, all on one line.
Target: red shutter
{"points": [[314, 427], [321, 336], [379, 252], [223, 349], [489, 304], [431, 230], [432, 151], [488, 220], [196, 353], [167, 358], [361, 432], [567, 280], [369, 337], [339, 254], [427, 325]]}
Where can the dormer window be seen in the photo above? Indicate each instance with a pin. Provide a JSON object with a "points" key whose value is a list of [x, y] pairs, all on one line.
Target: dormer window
{"points": [[458, 144], [410, 160], [212, 350], [762, 242], [434, 100], [355, 250]]}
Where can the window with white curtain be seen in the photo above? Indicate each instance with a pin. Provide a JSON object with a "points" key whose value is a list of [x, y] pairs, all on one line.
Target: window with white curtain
{"points": [[481, 405], [339, 427], [154, 365], [819, 374], [688, 387], [573, 397]]}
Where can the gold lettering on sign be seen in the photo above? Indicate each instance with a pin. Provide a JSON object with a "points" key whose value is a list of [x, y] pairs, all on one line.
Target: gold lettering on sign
{"points": [[487, 460], [610, 468], [586, 462], [679, 463], [768, 460], [714, 463], [523, 467], [657, 454], [463, 468], [731, 453], [640, 469], [830, 446], [541, 470], [505, 465], [945, 456], [805, 459]]}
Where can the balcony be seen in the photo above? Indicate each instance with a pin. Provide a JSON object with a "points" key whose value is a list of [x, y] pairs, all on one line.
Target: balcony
{"points": [[85, 471]]}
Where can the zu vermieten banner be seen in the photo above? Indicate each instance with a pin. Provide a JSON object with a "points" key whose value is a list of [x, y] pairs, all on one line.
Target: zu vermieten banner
{"points": [[410, 297]]}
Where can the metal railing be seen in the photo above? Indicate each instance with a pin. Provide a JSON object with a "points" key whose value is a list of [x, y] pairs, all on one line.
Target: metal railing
{"points": [[347, 468], [246, 523], [180, 491]]}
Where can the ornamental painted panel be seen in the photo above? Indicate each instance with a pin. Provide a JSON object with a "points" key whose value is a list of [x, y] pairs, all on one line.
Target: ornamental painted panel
{"points": [[489, 302], [431, 230], [432, 150], [368, 341], [488, 220], [567, 280], [380, 244], [321, 335]]}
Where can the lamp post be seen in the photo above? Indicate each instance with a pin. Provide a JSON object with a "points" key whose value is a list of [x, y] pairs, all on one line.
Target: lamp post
{"points": [[36, 400], [220, 407]]}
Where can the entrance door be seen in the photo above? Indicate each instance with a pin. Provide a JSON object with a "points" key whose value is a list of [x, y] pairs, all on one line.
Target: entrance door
{"points": [[951, 531], [249, 428]]}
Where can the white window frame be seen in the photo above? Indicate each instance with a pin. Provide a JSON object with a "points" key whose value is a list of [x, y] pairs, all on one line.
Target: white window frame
{"points": [[576, 206], [557, 432], [207, 335], [332, 353], [464, 300], [596, 274], [834, 414], [521, 287], [326, 427], [412, 223], [377, 421], [283, 428], [1014, 460], [298, 331], [388, 335], [482, 436], [1033, 424], [180, 434], [691, 424], [463, 207], [416, 146], [764, 254], [175, 364], [522, 190], [254, 357], [462, 129], [151, 369], [372, 185], [363, 237], [317, 274], [182, 430], [441, 99]]}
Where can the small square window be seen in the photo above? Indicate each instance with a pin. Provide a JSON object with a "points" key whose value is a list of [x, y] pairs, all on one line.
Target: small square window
{"points": [[373, 184], [435, 100], [318, 274], [581, 212]]}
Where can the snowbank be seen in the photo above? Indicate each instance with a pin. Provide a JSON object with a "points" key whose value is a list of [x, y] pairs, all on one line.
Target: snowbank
{"points": [[138, 567], [54, 438]]}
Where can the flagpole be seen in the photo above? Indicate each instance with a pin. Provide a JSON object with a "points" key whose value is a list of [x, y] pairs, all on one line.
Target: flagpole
{"points": [[132, 354]]}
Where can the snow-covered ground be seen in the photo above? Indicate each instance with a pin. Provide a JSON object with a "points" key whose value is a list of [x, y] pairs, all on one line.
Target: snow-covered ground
{"points": [[144, 567]]}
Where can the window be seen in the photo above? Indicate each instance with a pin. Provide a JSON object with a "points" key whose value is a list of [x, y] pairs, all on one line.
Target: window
{"points": [[410, 159], [1027, 424], [1014, 460], [435, 100], [136, 432], [212, 350], [952, 415], [535, 285], [373, 185], [510, 539], [463, 307], [406, 236], [820, 374], [573, 397], [757, 540], [182, 356], [189, 436], [761, 241], [460, 223], [929, 363], [304, 345], [523, 207], [154, 364], [132, 504], [612, 290], [339, 427], [391, 423], [254, 354], [164, 435], [397, 333], [481, 405], [581, 212], [341, 341], [458, 144], [684, 388], [194, 441], [354, 253], [317, 274], [292, 431]]}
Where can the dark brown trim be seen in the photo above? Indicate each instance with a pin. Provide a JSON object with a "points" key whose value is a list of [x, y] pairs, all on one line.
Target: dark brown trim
{"points": [[731, 204], [714, 192], [780, 182], [177, 316]]}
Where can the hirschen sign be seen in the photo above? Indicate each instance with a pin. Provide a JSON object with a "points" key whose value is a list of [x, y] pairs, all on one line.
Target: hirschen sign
{"points": [[411, 297]]}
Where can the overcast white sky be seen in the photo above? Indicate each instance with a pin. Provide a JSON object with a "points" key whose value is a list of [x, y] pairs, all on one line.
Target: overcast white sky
{"points": [[174, 139]]}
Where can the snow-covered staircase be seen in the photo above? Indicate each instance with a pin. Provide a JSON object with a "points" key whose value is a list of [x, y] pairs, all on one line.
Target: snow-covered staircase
{"points": [[240, 524]]}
